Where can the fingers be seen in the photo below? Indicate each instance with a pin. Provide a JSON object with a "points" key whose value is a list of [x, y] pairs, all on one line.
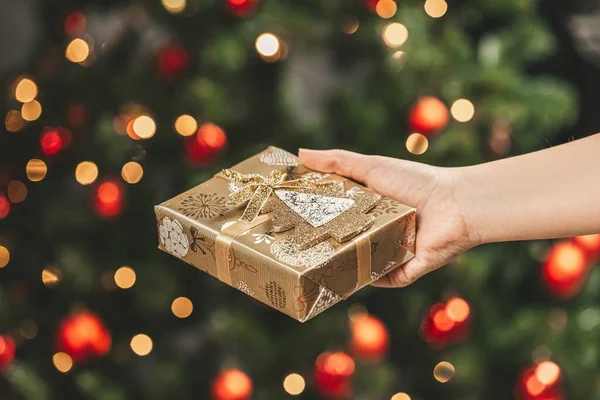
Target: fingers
{"points": [[357, 166], [402, 276]]}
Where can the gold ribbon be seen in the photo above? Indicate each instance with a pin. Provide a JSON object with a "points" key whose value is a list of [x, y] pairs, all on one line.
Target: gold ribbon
{"points": [[256, 189], [363, 259]]}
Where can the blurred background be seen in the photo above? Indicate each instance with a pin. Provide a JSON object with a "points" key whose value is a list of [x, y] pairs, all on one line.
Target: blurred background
{"points": [[110, 107]]}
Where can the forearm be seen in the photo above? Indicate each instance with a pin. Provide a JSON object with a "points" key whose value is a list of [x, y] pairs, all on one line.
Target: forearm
{"points": [[547, 194]]}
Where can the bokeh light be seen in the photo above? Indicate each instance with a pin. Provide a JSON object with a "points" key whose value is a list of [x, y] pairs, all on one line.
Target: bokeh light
{"points": [[62, 362], [17, 191], [386, 8], [547, 373], [436, 8], [462, 110], [294, 384], [132, 172], [182, 307], [36, 170], [109, 199], [28, 329], [417, 143], [186, 125], [125, 277], [395, 34], [174, 6], [75, 23], [442, 322], [541, 353], [4, 206], [51, 276], [51, 142], [77, 51], [400, 396], [31, 111], [26, 90], [86, 172], [267, 45], [14, 122], [141, 344], [232, 384], [443, 371], [457, 309], [350, 26], [4, 256], [211, 135], [144, 127]]}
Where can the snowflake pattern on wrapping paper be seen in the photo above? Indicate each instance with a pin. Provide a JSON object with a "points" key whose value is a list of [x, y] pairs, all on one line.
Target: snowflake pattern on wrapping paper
{"points": [[326, 300], [173, 238], [287, 251], [385, 206], [203, 206], [262, 238], [354, 191]]}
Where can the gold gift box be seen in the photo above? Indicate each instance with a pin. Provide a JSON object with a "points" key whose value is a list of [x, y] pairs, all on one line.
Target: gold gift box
{"points": [[194, 226]]}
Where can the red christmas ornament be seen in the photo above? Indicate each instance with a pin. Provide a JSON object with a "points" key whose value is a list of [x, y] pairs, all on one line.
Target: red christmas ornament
{"points": [[370, 337], [429, 115], [172, 61], [83, 336], [590, 244], [241, 7], [565, 269], [232, 384], [7, 352], [540, 382], [108, 199], [333, 373], [4, 206]]}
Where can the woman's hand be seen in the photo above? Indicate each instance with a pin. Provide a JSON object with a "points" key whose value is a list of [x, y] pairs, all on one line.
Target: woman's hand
{"points": [[442, 229]]}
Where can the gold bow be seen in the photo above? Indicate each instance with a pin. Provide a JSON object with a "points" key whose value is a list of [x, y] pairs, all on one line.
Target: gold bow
{"points": [[256, 189]]}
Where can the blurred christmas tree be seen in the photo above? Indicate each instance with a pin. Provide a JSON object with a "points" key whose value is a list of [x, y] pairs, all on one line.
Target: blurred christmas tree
{"points": [[114, 106]]}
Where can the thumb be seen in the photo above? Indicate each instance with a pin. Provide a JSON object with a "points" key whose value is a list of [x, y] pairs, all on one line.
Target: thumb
{"points": [[402, 276]]}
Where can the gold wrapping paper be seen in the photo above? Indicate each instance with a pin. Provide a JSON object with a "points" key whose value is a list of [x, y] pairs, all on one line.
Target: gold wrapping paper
{"points": [[202, 228]]}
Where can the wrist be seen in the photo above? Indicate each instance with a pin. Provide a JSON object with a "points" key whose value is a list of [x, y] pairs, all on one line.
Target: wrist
{"points": [[465, 192]]}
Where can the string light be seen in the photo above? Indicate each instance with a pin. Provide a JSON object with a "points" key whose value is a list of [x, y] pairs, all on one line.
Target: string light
{"points": [[294, 384], [125, 277], [62, 362], [174, 6], [17, 191], [182, 307], [14, 122], [132, 172], [395, 34], [417, 143], [109, 199], [4, 207], [400, 396], [75, 23], [443, 371], [51, 142], [186, 125], [86, 172], [386, 8], [398, 58], [212, 136], [31, 111], [144, 127], [141, 344], [268, 46], [28, 329], [36, 170], [4, 256], [26, 90], [436, 8], [457, 309], [541, 353], [462, 110], [547, 373], [77, 51], [51, 276], [350, 26]]}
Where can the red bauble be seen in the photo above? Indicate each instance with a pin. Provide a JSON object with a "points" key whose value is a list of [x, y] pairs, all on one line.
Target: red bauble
{"points": [[429, 115], [83, 336], [565, 269], [590, 244], [172, 61], [7, 352], [232, 384], [333, 373], [108, 199], [370, 337], [241, 7]]}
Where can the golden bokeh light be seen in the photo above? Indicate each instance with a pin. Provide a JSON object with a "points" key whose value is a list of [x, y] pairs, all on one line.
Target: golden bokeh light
{"points": [[267, 45], [457, 309], [547, 373], [31, 111], [77, 51], [141, 344], [132, 172], [400, 396], [174, 6], [436, 8], [417, 143], [182, 307], [62, 362], [86, 172], [294, 384], [51, 276], [462, 110], [395, 34], [125, 277], [541, 353], [14, 122], [350, 26], [4, 256], [28, 329], [17, 191], [386, 8], [443, 371], [36, 170], [144, 127], [186, 125], [26, 90]]}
